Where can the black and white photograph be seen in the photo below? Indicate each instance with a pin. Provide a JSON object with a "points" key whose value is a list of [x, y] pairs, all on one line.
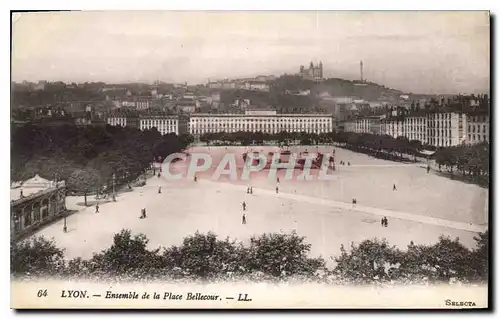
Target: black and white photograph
{"points": [[250, 159]]}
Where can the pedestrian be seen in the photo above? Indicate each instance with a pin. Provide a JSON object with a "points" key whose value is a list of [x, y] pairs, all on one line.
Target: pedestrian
{"points": [[159, 189], [394, 187], [428, 169], [144, 213], [385, 221], [244, 219], [21, 195], [97, 208], [244, 206], [159, 174], [382, 222], [277, 190], [248, 190], [195, 178], [348, 163], [278, 179], [251, 190]]}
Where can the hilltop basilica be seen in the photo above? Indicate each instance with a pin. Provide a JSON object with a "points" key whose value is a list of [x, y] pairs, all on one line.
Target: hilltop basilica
{"points": [[314, 73]]}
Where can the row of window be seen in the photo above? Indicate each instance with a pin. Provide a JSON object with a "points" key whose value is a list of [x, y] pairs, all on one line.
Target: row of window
{"points": [[25, 217], [472, 128], [196, 120], [477, 137], [210, 125], [160, 129], [202, 131], [480, 119], [159, 122]]}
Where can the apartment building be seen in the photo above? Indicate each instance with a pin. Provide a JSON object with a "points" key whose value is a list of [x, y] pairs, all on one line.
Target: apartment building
{"points": [[165, 124], [263, 121], [446, 129], [371, 125], [478, 128]]}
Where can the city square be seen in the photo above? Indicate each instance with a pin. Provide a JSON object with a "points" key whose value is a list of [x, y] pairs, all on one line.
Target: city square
{"points": [[423, 207]]}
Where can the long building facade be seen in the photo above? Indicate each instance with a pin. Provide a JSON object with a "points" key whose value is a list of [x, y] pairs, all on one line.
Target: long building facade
{"points": [[165, 124], [363, 125], [264, 121], [439, 129]]}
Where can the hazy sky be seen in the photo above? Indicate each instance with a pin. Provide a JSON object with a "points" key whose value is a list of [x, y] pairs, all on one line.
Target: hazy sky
{"points": [[424, 52]]}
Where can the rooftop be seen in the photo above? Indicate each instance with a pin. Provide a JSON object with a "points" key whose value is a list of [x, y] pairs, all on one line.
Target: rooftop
{"points": [[32, 188]]}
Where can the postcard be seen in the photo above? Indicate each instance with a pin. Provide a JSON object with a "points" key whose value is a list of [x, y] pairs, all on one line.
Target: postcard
{"points": [[250, 159]]}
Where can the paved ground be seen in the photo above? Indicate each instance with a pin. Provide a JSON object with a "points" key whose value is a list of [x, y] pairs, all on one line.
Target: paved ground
{"points": [[423, 207]]}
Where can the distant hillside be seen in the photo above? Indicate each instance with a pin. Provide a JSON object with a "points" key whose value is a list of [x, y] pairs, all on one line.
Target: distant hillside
{"points": [[334, 87], [367, 91]]}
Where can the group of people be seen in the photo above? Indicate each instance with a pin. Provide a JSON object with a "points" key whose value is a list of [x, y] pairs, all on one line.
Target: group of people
{"points": [[384, 222], [250, 190], [343, 163], [244, 217]]}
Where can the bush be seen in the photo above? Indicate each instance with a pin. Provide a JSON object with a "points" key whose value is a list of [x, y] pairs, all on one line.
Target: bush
{"points": [[269, 257], [36, 257]]}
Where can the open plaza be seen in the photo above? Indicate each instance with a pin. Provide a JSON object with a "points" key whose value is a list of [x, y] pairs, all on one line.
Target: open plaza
{"points": [[421, 208]]}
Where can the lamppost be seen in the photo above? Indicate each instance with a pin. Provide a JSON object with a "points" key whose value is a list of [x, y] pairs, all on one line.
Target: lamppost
{"points": [[114, 195], [65, 227]]}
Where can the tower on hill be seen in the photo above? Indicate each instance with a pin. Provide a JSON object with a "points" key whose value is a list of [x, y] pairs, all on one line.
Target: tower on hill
{"points": [[361, 71]]}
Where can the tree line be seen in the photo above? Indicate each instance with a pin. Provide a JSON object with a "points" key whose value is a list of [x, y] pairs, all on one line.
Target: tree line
{"points": [[268, 257], [376, 145], [88, 157], [471, 160]]}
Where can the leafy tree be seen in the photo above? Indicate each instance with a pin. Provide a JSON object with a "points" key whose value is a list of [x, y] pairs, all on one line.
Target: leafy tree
{"points": [[370, 261], [84, 180], [480, 256], [282, 255], [206, 257], [36, 257], [128, 254]]}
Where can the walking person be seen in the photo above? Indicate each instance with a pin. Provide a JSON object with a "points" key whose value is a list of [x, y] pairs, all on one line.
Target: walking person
{"points": [[428, 169], [382, 222], [277, 190], [394, 187], [385, 221], [244, 205], [97, 209], [251, 190], [244, 219], [159, 189], [248, 190], [348, 163]]}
